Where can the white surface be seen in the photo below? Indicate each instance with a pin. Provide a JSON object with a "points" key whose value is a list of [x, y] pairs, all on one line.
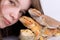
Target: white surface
{"points": [[51, 8], [54, 38]]}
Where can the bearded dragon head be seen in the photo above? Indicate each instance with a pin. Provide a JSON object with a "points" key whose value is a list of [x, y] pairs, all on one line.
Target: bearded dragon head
{"points": [[34, 12]]}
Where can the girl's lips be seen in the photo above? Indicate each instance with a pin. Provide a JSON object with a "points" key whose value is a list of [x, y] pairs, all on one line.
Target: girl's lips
{"points": [[6, 21]]}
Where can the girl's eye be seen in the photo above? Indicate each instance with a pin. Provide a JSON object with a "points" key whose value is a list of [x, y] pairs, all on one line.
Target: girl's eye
{"points": [[12, 2]]}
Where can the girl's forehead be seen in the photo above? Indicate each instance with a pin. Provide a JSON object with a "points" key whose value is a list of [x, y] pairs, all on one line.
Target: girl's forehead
{"points": [[18, 1], [23, 4]]}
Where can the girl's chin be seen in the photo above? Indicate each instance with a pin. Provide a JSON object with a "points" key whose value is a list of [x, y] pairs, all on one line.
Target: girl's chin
{"points": [[4, 26], [11, 24]]}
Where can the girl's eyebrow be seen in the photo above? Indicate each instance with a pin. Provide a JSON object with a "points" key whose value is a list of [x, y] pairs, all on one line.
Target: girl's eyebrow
{"points": [[16, 1]]}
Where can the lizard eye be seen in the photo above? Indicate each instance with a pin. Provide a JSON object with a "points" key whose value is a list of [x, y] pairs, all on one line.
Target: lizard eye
{"points": [[24, 18], [30, 21]]}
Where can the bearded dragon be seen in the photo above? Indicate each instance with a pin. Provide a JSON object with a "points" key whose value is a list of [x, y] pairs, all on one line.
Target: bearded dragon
{"points": [[36, 23], [26, 34], [32, 25], [52, 26], [44, 19]]}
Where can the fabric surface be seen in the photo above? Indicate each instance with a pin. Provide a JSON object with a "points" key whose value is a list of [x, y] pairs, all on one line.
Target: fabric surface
{"points": [[11, 38]]}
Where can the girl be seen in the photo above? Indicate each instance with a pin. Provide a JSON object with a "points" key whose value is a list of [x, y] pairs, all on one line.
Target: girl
{"points": [[10, 11]]}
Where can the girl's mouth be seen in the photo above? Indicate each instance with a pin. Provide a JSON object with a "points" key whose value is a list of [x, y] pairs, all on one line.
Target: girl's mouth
{"points": [[6, 21]]}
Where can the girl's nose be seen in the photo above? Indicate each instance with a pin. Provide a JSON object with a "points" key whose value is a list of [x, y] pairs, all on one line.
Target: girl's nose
{"points": [[14, 16]]}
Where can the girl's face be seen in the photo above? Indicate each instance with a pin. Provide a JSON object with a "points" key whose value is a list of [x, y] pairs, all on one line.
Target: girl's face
{"points": [[10, 11]]}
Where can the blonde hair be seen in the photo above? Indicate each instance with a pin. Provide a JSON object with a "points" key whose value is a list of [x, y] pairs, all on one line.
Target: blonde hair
{"points": [[36, 4]]}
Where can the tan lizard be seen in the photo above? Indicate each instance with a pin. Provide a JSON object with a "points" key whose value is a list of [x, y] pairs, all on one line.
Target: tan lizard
{"points": [[43, 19], [49, 30], [31, 24], [52, 26]]}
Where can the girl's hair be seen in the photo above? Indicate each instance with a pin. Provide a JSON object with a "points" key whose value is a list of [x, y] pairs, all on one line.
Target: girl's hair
{"points": [[36, 4], [0, 1]]}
